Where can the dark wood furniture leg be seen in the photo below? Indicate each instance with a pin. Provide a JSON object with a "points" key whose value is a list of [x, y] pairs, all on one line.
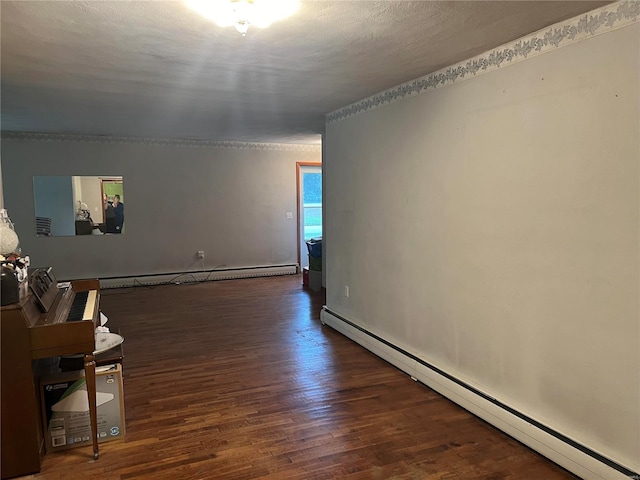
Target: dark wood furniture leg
{"points": [[90, 375]]}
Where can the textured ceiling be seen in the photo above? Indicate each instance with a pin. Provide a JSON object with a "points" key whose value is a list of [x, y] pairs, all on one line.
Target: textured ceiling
{"points": [[157, 69]]}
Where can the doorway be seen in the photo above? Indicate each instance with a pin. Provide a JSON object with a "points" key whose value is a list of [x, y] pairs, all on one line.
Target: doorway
{"points": [[309, 189], [110, 189]]}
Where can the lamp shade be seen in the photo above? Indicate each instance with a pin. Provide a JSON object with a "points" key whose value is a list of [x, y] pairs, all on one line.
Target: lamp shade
{"points": [[8, 240]]}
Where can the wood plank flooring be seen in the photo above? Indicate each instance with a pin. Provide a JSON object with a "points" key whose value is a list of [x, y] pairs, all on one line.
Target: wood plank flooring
{"points": [[238, 379]]}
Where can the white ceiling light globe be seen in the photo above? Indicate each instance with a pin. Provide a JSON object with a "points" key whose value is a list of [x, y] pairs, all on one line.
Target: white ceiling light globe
{"points": [[243, 13]]}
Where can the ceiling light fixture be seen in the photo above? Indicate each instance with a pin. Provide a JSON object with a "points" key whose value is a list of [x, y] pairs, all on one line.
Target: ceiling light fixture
{"points": [[243, 13]]}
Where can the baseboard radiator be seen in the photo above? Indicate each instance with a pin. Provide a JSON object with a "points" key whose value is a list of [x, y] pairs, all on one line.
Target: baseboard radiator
{"points": [[199, 276], [560, 449]]}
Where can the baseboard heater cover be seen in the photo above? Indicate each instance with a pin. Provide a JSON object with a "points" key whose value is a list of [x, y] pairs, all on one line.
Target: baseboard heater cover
{"points": [[199, 276], [573, 456]]}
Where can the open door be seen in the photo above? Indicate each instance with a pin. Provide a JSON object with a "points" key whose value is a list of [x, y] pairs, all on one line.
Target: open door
{"points": [[112, 188], [309, 187]]}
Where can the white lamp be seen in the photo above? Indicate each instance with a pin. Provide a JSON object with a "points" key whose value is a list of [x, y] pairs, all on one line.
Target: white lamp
{"points": [[8, 238], [242, 13], [9, 289]]}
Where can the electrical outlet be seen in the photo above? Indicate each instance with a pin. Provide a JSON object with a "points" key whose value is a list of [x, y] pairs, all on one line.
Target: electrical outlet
{"points": [[200, 253], [346, 291]]}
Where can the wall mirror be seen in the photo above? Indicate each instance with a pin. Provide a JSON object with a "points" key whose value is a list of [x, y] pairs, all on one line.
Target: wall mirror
{"points": [[73, 205]]}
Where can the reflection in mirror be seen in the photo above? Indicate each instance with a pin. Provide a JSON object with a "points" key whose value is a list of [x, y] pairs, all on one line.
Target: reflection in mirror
{"points": [[71, 205]]}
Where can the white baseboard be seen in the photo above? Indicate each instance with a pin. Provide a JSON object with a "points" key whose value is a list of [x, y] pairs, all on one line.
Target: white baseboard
{"points": [[580, 461], [202, 276]]}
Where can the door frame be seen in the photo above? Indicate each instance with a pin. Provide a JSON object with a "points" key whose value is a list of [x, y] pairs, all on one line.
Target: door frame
{"points": [[299, 165]]}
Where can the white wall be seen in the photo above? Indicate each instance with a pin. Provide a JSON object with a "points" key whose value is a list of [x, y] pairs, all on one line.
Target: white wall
{"points": [[491, 227], [229, 202], [90, 193]]}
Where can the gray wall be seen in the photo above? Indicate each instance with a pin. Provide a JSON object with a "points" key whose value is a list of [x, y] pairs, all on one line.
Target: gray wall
{"points": [[491, 228], [229, 202]]}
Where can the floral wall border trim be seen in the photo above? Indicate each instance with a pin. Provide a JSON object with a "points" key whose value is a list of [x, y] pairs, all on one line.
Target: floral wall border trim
{"points": [[602, 20], [55, 137]]}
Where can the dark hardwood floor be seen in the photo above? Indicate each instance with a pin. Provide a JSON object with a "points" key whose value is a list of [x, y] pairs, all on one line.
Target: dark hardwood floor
{"points": [[238, 379]]}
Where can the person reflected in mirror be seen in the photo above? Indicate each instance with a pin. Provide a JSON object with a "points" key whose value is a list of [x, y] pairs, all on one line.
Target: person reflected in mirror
{"points": [[109, 215], [118, 208]]}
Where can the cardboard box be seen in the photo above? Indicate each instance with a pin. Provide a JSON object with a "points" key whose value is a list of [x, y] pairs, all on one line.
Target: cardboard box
{"points": [[65, 408]]}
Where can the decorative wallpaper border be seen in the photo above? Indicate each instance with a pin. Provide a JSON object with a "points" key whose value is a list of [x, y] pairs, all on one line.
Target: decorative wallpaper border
{"points": [[598, 21], [55, 137]]}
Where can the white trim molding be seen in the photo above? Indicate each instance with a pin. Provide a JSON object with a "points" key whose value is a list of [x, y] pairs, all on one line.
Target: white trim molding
{"points": [[599, 21], [575, 457], [56, 137], [178, 278]]}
